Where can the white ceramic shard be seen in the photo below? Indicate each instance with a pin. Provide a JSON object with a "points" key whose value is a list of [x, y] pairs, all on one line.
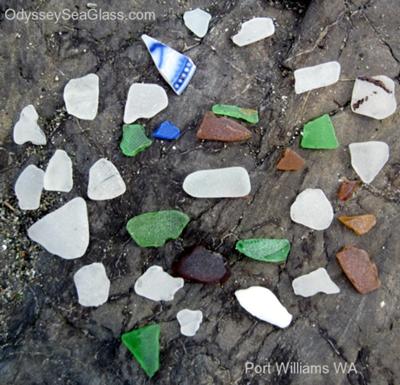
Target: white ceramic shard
{"points": [[144, 101], [81, 96], [29, 187], [254, 30], [58, 175], [374, 97], [65, 231], [157, 285], [368, 158], [312, 209], [176, 68], [92, 284], [230, 182], [105, 181], [321, 75], [27, 128], [190, 321], [318, 281], [197, 21], [263, 304]]}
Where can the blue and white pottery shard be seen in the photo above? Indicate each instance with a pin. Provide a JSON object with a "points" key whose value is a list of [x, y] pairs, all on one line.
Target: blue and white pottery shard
{"points": [[177, 69]]}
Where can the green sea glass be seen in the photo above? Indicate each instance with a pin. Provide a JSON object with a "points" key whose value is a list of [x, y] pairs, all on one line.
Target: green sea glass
{"points": [[134, 139], [246, 114], [153, 229], [264, 249], [144, 344], [319, 134]]}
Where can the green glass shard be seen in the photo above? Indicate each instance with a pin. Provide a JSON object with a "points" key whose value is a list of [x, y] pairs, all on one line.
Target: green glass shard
{"points": [[264, 249], [134, 139], [153, 229], [319, 134], [144, 344], [246, 114]]}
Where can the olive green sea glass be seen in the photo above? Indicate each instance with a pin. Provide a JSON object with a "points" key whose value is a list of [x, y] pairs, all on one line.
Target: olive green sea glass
{"points": [[246, 114], [134, 139]]}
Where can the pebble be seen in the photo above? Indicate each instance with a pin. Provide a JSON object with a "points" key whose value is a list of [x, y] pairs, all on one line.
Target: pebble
{"points": [[254, 30], [290, 161], [189, 321], [197, 21], [65, 231], [144, 101], [368, 159], [202, 265], [144, 344], [105, 181], [318, 281], [58, 175], [321, 75], [27, 128], [230, 182], [319, 134], [312, 209], [92, 284], [222, 129], [359, 269], [263, 304], [176, 69], [166, 131], [81, 96], [153, 229], [374, 97], [264, 249], [134, 140], [360, 224], [247, 114], [157, 285], [28, 188]]}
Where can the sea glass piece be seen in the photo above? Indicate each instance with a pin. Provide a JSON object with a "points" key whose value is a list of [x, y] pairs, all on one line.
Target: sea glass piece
{"points": [[65, 231], [319, 134], [153, 229], [359, 269], [264, 249], [374, 97], [312, 209], [368, 158], [202, 265], [321, 75], [360, 224], [247, 114], [176, 69], [58, 175], [144, 344], [134, 139], [347, 188], [230, 182], [318, 281], [105, 181], [254, 30], [197, 21], [262, 303], [157, 285], [27, 128], [29, 187], [221, 129], [92, 284], [167, 131], [290, 161], [189, 321], [81, 96], [144, 101]]}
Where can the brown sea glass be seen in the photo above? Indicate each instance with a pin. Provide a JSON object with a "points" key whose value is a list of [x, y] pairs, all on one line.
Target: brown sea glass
{"points": [[290, 161], [360, 224], [347, 188]]}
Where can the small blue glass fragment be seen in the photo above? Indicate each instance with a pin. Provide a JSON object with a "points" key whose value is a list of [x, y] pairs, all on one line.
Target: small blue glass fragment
{"points": [[166, 131]]}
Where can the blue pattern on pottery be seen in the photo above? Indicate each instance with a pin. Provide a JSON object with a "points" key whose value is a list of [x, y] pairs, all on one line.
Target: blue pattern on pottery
{"points": [[177, 69], [166, 131]]}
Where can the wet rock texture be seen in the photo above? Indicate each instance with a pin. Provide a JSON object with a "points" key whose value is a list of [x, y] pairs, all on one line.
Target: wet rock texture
{"points": [[47, 337]]}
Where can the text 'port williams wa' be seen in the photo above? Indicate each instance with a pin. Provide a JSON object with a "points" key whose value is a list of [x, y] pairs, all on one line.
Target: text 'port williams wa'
{"points": [[298, 367]]}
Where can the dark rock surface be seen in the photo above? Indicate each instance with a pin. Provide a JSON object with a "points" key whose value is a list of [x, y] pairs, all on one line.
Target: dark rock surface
{"points": [[47, 338]]}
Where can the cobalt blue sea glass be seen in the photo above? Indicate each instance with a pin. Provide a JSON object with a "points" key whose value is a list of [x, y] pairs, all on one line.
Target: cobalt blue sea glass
{"points": [[166, 131], [177, 69]]}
